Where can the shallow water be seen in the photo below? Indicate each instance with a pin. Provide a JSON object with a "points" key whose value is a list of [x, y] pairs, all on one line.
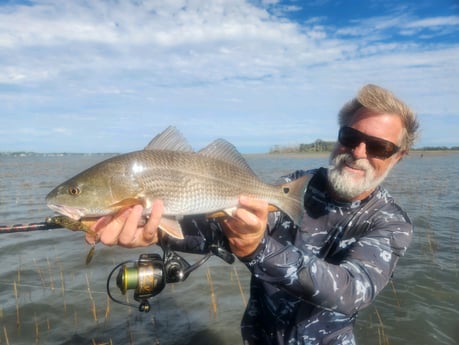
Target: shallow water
{"points": [[49, 296]]}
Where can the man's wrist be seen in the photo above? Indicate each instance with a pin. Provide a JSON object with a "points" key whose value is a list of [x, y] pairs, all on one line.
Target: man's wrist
{"points": [[252, 259]]}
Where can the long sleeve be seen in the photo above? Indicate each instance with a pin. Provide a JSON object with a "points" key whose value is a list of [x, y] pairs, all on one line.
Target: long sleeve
{"points": [[202, 235], [351, 276]]}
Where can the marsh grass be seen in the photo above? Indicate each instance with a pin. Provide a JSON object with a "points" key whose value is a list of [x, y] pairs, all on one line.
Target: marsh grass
{"points": [[213, 300], [50, 278], [36, 329], [107, 309], [16, 297], [91, 299], [5, 333], [40, 273], [392, 284], [241, 290], [50, 273], [383, 339]]}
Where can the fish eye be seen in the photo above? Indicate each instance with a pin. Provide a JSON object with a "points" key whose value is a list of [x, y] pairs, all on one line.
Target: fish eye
{"points": [[74, 190]]}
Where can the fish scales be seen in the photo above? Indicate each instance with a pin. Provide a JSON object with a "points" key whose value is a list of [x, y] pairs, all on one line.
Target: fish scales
{"points": [[187, 182], [190, 183]]}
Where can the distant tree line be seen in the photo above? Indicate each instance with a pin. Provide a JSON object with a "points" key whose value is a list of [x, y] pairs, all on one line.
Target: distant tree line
{"points": [[55, 154], [327, 146], [437, 148], [317, 146]]}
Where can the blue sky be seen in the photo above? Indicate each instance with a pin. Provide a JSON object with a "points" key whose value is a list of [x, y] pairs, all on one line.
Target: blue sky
{"points": [[106, 76]]}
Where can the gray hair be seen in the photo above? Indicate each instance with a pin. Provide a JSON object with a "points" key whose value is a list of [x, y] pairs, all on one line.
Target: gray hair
{"points": [[380, 100]]}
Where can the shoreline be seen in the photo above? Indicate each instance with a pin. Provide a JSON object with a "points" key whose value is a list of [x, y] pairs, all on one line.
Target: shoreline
{"points": [[289, 155], [433, 152], [413, 153], [266, 154]]}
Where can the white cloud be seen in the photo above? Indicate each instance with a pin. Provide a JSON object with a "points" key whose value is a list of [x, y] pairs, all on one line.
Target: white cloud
{"points": [[433, 22], [219, 40], [61, 130], [228, 66]]}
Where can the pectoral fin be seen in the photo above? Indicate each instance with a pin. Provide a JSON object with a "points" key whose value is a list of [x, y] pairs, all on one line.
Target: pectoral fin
{"points": [[228, 212], [171, 227], [128, 202], [272, 208], [218, 214]]}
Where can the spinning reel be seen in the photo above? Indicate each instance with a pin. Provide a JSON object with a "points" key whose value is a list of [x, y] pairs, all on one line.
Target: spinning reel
{"points": [[150, 273]]}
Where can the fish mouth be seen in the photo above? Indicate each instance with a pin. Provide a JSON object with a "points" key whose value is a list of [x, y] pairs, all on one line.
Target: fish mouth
{"points": [[71, 212]]}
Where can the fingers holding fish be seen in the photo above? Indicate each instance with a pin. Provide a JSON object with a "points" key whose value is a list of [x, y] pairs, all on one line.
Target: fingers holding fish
{"points": [[94, 236], [242, 242], [109, 228], [133, 234], [252, 211], [130, 233], [125, 229], [150, 229], [246, 228]]}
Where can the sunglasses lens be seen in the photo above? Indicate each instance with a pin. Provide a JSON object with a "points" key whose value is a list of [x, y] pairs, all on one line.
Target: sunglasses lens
{"points": [[381, 149], [349, 137], [376, 147]]}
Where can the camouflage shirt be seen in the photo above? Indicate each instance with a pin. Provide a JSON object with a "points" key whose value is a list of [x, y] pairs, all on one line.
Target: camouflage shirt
{"points": [[309, 282]]}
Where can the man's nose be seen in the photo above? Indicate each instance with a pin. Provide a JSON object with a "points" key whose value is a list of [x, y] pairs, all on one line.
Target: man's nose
{"points": [[360, 151]]}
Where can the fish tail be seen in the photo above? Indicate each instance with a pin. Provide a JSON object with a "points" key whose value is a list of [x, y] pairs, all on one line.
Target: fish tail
{"points": [[292, 202]]}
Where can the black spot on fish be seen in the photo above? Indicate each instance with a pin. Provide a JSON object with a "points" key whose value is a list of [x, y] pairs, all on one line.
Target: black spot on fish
{"points": [[286, 190]]}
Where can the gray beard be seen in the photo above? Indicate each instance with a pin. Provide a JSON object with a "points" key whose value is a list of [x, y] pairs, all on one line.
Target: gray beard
{"points": [[345, 184]]}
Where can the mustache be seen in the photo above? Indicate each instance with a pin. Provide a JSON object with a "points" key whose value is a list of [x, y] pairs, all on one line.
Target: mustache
{"points": [[348, 159]]}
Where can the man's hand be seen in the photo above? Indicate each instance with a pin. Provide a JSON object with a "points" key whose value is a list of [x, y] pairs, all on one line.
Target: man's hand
{"points": [[123, 228], [246, 228]]}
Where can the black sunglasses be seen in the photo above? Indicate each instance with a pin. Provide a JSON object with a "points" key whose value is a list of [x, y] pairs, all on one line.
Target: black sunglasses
{"points": [[376, 147]]}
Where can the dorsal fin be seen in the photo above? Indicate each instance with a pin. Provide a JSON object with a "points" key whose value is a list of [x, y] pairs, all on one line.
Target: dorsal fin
{"points": [[169, 139], [222, 150]]}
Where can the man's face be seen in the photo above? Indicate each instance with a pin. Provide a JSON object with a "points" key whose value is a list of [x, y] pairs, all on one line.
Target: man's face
{"points": [[354, 172]]}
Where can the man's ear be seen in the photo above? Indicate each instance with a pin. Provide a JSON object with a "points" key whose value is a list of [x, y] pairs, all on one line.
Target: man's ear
{"points": [[401, 154]]}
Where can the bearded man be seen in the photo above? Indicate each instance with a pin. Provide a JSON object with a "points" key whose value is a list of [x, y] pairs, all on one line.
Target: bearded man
{"points": [[310, 281]]}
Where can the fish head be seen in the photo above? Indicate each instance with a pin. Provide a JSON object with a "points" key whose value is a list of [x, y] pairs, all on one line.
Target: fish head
{"points": [[97, 191]]}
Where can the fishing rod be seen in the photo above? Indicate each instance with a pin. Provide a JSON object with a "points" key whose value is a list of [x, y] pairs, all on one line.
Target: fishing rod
{"points": [[49, 224], [56, 222]]}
